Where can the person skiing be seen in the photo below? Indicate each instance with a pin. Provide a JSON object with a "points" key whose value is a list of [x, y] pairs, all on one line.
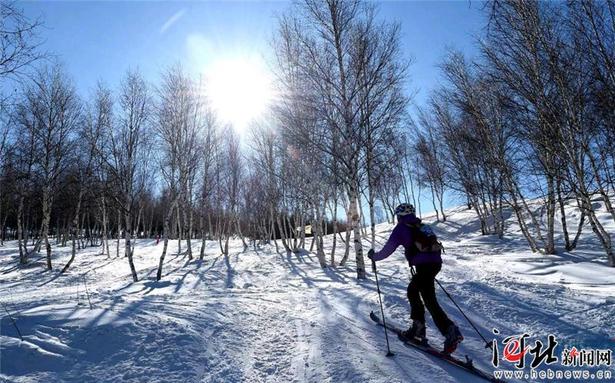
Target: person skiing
{"points": [[428, 265]]}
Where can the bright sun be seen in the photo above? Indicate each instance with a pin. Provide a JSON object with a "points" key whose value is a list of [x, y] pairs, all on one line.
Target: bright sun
{"points": [[240, 90]]}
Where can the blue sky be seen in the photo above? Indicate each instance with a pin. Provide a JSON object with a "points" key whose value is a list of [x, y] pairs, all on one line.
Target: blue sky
{"points": [[101, 40]]}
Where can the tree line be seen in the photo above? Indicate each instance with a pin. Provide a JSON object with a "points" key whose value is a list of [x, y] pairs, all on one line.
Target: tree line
{"points": [[531, 117]]}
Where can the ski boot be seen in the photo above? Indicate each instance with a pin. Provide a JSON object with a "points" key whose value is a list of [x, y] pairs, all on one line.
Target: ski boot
{"points": [[452, 340], [417, 333]]}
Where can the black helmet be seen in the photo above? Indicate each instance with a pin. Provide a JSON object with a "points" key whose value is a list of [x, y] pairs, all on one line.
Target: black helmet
{"points": [[404, 209]]}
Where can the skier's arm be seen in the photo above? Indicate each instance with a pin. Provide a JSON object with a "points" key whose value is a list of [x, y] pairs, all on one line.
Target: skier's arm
{"points": [[392, 244]]}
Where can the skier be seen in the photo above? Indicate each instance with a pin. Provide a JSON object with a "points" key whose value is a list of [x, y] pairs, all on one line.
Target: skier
{"points": [[428, 265]]}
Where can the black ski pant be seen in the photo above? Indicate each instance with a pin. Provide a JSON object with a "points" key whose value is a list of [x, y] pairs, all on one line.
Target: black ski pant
{"points": [[422, 286]]}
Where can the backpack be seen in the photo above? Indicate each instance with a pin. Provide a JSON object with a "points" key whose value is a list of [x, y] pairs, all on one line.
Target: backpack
{"points": [[425, 240]]}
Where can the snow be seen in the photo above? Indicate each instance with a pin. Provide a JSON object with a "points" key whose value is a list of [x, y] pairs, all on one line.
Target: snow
{"points": [[262, 316]]}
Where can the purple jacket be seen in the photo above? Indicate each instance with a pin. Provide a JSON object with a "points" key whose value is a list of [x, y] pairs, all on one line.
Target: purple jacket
{"points": [[402, 235]]}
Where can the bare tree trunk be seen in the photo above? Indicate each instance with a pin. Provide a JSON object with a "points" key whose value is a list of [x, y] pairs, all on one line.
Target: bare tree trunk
{"points": [[23, 249], [312, 243], [518, 213], [355, 220], [210, 227], [302, 231], [273, 233], [227, 234], [129, 251], [74, 231], [372, 216], [362, 219], [119, 230], [550, 245], [80, 240], [283, 232], [137, 233], [320, 253], [283, 235], [441, 201], [188, 222], [179, 231], [220, 231], [293, 231], [202, 250], [58, 232], [573, 245], [562, 210], [334, 214], [347, 242], [433, 201], [45, 224], [501, 215], [243, 241], [166, 230], [105, 228]]}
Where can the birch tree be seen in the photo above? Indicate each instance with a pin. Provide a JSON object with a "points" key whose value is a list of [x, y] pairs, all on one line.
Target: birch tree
{"points": [[51, 113], [333, 64], [179, 127], [127, 152]]}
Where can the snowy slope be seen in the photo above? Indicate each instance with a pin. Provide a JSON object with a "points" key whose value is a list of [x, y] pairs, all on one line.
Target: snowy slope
{"points": [[260, 316]]}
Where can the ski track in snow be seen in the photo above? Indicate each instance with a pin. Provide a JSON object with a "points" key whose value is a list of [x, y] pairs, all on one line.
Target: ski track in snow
{"points": [[262, 316]]}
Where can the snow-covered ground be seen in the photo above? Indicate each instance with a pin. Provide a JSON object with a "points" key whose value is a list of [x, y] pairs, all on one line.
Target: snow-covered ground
{"points": [[262, 316]]}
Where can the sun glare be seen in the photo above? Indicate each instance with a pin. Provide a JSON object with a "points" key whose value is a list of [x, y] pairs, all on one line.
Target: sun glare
{"points": [[240, 90]]}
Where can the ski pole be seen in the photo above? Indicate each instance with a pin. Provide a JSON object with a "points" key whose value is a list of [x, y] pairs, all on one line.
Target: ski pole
{"points": [[386, 335], [487, 343]]}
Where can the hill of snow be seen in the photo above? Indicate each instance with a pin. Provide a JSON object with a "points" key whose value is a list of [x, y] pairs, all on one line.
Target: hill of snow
{"points": [[262, 316]]}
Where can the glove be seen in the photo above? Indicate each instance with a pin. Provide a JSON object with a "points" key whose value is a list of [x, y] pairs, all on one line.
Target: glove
{"points": [[370, 254]]}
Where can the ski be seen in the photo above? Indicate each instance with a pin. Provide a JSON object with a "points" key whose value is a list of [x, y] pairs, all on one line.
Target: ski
{"points": [[467, 365]]}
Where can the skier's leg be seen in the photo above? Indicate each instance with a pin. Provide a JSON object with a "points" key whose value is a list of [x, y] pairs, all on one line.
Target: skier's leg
{"points": [[417, 310], [428, 292]]}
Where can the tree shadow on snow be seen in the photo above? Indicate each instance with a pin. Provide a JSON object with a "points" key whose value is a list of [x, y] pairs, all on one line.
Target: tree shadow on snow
{"points": [[296, 270]]}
